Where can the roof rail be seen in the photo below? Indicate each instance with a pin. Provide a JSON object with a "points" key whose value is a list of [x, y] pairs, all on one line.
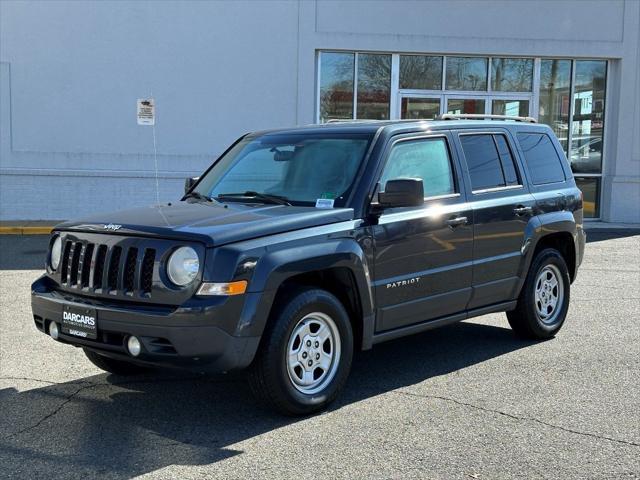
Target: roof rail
{"points": [[353, 120], [481, 116]]}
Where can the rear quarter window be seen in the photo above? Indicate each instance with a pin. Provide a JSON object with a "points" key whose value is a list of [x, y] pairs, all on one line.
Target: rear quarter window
{"points": [[541, 158]]}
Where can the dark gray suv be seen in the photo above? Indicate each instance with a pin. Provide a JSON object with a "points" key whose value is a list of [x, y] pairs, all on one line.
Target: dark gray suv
{"points": [[299, 246]]}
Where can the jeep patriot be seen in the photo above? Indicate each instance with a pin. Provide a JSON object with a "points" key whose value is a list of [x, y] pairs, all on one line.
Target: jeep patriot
{"points": [[299, 246]]}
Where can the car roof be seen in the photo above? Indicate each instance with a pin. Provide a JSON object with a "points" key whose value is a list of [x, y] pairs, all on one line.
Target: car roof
{"points": [[396, 126]]}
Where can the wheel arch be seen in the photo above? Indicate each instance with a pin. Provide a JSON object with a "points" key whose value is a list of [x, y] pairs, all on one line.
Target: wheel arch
{"points": [[557, 230], [338, 266]]}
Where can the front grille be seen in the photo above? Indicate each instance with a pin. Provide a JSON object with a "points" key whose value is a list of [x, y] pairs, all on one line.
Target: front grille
{"points": [[109, 269], [127, 268]]}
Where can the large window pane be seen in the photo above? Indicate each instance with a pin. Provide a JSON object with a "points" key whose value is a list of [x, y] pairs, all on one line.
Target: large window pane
{"points": [[511, 74], [419, 108], [466, 73], [420, 72], [469, 105], [336, 85], [591, 194], [483, 161], [588, 116], [513, 108], [424, 159], [374, 86], [555, 90], [541, 157]]}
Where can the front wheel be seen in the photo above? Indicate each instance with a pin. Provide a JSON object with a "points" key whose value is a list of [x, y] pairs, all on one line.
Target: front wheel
{"points": [[544, 299], [305, 355]]}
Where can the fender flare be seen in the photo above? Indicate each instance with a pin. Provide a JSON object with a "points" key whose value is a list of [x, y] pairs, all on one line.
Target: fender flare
{"points": [[540, 227], [276, 267]]}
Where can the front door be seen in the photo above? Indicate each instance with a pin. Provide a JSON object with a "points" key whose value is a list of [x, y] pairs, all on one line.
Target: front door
{"points": [[422, 255]]}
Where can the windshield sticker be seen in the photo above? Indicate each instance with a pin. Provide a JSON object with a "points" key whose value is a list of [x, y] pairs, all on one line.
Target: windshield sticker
{"points": [[329, 195], [324, 203]]}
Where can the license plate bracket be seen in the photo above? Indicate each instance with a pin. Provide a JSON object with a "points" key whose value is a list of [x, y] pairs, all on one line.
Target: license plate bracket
{"points": [[80, 321]]}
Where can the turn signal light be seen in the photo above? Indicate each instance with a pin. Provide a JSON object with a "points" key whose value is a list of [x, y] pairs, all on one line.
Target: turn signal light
{"points": [[226, 289]]}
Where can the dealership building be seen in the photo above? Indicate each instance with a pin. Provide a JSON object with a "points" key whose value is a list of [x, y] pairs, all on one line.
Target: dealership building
{"points": [[72, 72]]}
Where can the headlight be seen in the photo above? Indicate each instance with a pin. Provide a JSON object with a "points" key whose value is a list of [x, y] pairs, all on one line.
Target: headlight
{"points": [[183, 266], [56, 253]]}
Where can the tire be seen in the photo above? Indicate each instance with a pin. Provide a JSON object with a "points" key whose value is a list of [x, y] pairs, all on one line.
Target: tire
{"points": [[111, 365], [281, 380], [536, 316]]}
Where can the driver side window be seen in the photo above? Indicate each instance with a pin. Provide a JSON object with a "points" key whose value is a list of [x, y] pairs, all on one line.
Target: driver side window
{"points": [[427, 159]]}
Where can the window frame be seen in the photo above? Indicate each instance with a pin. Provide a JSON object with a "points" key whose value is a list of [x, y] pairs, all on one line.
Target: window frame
{"points": [[516, 164], [414, 137]]}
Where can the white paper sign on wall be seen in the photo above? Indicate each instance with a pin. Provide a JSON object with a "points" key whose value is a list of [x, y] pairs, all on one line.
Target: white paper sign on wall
{"points": [[146, 111]]}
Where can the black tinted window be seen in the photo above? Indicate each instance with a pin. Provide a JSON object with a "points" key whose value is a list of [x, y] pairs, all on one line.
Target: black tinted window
{"points": [[541, 158], [508, 165], [483, 161]]}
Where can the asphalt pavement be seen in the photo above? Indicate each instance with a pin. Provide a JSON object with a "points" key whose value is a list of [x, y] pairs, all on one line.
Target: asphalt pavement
{"points": [[465, 401]]}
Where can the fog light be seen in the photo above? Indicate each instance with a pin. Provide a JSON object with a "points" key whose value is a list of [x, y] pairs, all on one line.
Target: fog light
{"points": [[134, 347], [53, 330]]}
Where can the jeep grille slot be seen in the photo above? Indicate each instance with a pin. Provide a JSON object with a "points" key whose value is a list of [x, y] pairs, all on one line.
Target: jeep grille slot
{"points": [[130, 270], [87, 259], [114, 263], [75, 262], [64, 271], [98, 272], [146, 276]]}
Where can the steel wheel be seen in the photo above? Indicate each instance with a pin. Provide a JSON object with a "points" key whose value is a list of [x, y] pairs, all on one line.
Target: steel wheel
{"points": [[549, 294], [313, 353]]}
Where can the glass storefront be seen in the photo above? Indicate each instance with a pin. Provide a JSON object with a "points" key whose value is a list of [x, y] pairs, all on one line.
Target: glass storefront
{"points": [[554, 95], [336, 86], [568, 95]]}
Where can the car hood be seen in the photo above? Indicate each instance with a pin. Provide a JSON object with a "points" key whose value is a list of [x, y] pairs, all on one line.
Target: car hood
{"points": [[210, 223]]}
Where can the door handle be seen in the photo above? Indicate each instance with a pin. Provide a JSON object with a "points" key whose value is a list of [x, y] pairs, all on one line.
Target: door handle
{"points": [[522, 210], [453, 222]]}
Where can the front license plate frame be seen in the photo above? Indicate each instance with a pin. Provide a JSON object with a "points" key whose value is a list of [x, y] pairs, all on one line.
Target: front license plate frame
{"points": [[80, 322]]}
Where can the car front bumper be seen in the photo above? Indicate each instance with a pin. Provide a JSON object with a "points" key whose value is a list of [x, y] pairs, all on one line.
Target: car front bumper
{"points": [[186, 338]]}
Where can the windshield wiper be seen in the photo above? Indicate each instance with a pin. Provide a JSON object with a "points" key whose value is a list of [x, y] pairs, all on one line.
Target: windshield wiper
{"points": [[265, 197], [199, 196]]}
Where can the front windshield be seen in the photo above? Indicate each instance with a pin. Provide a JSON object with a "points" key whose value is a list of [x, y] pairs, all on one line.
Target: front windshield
{"points": [[301, 168]]}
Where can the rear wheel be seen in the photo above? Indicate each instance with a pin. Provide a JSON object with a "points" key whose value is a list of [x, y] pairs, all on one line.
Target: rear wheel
{"points": [[544, 299], [111, 365], [305, 355]]}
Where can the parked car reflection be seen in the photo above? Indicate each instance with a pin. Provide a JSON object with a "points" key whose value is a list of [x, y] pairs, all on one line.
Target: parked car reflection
{"points": [[586, 154]]}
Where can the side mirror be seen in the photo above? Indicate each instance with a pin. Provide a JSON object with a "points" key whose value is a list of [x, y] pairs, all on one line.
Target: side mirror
{"points": [[189, 183], [402, 192]]}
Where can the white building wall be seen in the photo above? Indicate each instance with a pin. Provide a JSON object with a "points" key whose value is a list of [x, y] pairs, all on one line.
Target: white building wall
{"points": [[71, 72]]}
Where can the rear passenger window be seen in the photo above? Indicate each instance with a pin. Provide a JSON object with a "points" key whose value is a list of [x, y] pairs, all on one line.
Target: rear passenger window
{"points": [[483, 161], [508, 165], [541, 158], [427, 159]]}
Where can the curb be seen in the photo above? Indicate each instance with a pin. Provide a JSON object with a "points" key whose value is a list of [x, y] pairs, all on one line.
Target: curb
{"points": [[25, 230]]}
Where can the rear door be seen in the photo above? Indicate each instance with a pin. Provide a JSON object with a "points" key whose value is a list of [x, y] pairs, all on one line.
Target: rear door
{"points": [[422, 255], [502, 207]]}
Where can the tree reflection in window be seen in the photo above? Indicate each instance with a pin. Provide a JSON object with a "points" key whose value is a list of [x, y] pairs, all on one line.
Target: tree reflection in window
{"points": [[336, 86]]}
